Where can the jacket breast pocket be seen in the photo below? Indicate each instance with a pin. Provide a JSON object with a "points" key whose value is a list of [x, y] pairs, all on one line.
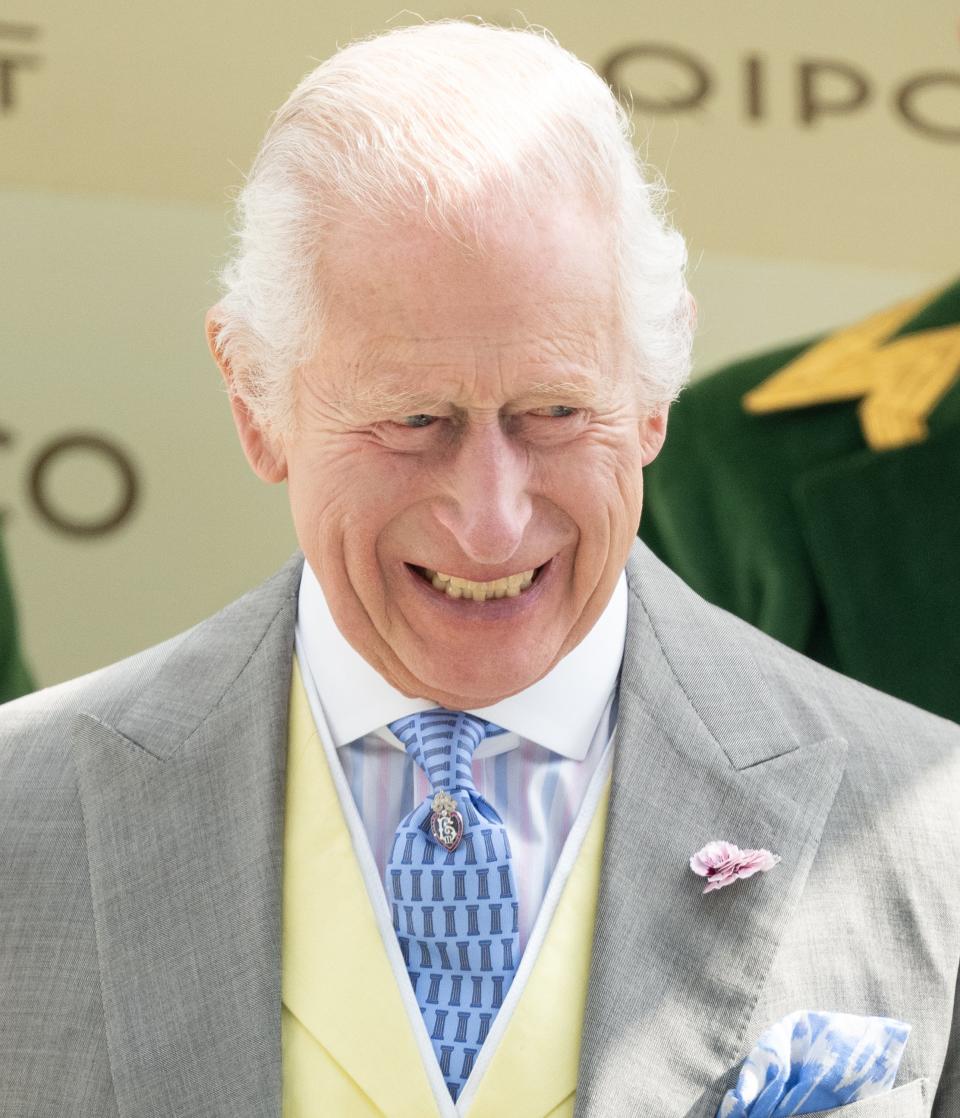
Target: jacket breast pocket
{"points": [[902, 1102]]}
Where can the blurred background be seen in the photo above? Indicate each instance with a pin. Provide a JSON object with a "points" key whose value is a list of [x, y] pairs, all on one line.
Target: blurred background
{"points": [[810, 149]]}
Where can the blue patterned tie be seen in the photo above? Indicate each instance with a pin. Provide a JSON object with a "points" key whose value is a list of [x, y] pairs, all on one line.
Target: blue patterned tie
{"points": [[450, 882]]}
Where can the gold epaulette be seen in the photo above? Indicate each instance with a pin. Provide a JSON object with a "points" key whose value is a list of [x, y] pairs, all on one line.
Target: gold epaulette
{"points": [[898, 382]]}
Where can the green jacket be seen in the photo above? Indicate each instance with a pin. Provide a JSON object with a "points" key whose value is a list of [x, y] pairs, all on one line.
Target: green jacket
{"points": [[790, 520], [14, 677]]}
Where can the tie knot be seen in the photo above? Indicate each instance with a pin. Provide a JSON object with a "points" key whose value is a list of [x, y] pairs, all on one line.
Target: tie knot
{"points": [[442, 742]]}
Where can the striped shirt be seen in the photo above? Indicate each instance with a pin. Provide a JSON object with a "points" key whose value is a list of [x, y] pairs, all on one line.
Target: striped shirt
{"points": [[536, 774]]}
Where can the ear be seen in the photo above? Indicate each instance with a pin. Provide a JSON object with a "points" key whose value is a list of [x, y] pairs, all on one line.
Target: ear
{"points": [[653, 430], [263, 451]]}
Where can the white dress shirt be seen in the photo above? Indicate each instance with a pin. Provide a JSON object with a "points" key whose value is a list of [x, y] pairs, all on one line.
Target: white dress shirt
{"points": [[535, 775]]}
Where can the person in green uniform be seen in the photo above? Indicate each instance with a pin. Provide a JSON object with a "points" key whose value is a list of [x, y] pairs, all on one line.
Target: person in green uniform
{"points": [[14, 677], [815, 492]]}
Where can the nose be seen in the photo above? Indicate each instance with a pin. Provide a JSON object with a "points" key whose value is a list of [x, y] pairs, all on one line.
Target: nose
{"points": [[486, 504]]}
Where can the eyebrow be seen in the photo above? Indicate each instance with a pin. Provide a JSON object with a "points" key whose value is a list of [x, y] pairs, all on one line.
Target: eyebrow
{"points": [[380, 400]]}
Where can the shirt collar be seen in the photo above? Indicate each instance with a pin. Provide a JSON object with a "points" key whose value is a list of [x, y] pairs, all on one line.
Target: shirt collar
{"points": [[560, 711]]}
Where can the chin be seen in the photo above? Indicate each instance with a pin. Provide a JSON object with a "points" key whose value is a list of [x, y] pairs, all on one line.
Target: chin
{"points": [[481, 687]]}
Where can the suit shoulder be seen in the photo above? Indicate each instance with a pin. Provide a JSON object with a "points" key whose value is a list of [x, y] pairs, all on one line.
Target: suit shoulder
{"points": [[51, 708], [798, 692], [35, 730], [850, 704], [877, 727]]}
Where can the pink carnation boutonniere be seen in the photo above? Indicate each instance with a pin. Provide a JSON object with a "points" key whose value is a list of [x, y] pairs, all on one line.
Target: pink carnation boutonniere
{"points": [[721, 863]]}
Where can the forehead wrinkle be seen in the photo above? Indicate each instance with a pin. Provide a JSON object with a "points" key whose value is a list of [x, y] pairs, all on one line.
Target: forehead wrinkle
{"points": [[386, 373], [573, 348]]}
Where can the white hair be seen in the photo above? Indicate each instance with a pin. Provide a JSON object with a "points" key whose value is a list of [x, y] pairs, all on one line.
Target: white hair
{"points": [[446, 120]]}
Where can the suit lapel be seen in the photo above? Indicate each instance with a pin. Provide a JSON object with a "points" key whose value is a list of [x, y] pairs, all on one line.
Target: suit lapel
{"points": [[182, 788], [703, 751]]}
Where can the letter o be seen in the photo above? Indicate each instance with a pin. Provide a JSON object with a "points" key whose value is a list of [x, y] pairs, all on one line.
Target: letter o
{"points": [[118, 461], [904, 102], [691, 100]]}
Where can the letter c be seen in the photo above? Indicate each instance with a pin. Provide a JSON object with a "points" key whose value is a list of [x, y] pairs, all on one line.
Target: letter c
{"points": [[904, 101]]}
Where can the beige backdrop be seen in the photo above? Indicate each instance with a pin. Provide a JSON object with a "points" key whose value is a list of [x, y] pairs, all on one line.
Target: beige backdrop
{"points": [[812, 150]]}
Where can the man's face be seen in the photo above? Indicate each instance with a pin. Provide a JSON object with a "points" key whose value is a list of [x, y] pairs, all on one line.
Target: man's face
{"points": [[472, 417]]}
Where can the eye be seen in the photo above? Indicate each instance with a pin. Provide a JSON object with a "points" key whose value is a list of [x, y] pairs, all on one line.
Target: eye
{"points": [[420, 420], [555, 411]]}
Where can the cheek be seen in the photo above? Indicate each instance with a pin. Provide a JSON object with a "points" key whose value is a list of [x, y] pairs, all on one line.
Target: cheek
{"points": [[344, 498], [339, 483], [603, 479], [326, 492]]}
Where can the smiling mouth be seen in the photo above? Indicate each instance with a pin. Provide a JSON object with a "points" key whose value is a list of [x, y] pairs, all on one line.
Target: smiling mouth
{"points": [[510, 587]]}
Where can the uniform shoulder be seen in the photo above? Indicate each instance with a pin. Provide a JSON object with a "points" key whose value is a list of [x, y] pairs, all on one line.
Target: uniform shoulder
{"points": [[719, 464], [735, 378]]}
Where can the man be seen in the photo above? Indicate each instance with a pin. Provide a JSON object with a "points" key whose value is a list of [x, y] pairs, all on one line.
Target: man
{"points": [[825, 515], [408, 829]]}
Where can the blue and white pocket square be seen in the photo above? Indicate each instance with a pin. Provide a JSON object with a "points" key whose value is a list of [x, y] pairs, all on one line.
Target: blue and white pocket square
{"points": [[816, 1061]]}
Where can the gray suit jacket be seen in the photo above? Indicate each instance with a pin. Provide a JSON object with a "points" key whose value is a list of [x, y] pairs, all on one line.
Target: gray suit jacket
{"points": [[141, 824]]}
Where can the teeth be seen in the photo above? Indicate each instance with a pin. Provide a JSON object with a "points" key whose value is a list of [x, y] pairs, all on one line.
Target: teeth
{"points": [[510, 587]]}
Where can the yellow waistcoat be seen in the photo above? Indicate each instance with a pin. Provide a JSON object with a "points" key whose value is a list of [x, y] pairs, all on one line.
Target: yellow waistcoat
{"points": [[348, 1047]]}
